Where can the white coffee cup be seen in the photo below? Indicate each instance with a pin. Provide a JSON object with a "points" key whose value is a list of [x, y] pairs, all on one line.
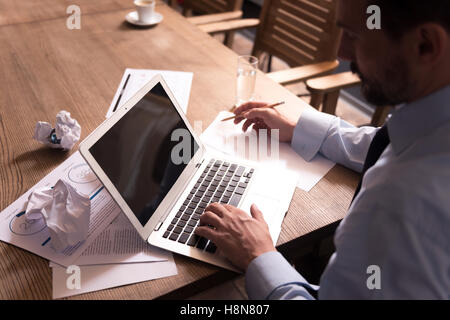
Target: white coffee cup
{"points": [[145, 9]]}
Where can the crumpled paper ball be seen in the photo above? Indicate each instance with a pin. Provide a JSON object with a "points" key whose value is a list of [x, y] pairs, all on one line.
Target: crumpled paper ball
{"points": [[65, 210], [66, 133]]}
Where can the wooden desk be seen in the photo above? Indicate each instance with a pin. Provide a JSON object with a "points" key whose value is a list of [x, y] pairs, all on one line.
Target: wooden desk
{"points": [[46, 68], [25, 11]]}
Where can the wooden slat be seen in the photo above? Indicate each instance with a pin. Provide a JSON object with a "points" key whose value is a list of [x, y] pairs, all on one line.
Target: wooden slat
{"points": [[302, 73], [321, 3], [311, 7], [231, 25], [296, 44], [298, 23], [233, 5], [215, 17], [224, 3], [282, 50], [298, 32], [316, 21], [333, 82], [199, 7], [314, 46], [289, 50], [213, 6], [304, 38], [316, 8], [307, 25], [280, 15], [278, 41], [202, 6], [205, 6]]}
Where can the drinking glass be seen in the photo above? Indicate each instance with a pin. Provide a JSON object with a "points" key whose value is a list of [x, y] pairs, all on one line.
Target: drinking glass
{"points": [[246, 78]]}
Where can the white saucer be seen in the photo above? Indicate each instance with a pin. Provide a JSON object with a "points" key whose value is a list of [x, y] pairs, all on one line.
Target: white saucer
{"points": [[132, 18]]}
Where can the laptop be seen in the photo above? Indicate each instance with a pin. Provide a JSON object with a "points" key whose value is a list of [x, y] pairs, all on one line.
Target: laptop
{"points": [[159, 173]]}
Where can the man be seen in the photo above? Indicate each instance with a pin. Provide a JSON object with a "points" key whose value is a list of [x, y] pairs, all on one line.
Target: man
{"points": [[399, 221]]}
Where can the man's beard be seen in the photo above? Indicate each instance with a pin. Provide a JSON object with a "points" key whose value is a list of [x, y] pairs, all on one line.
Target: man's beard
{"points": [[393, 90]]}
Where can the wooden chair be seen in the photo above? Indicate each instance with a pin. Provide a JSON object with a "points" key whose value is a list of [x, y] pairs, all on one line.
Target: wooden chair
{"points": [[210, 6], [211, 11], [325, 90], [303, 33]]}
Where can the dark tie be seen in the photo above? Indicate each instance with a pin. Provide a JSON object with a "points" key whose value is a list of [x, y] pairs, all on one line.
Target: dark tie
{"points": [[376, 148]]}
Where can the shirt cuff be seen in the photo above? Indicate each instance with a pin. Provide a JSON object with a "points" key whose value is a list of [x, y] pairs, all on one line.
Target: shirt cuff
{"points": [[268, 272], [310, 132]]}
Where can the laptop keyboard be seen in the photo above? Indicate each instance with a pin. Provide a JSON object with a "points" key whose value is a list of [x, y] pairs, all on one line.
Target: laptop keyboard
{"points": [[221, 182]]}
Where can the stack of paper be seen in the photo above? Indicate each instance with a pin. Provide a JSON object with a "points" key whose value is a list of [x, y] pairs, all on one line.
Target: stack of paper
{"points": [[223, 137], [112, 254], [134, 79], [98, 277], [118, 256]]}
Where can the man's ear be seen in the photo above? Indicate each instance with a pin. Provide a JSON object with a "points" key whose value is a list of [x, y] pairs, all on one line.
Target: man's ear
{"points": [[433, 41]]}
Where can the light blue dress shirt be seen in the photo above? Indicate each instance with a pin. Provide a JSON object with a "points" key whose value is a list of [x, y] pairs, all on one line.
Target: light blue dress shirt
{"points": [[400, 220]]}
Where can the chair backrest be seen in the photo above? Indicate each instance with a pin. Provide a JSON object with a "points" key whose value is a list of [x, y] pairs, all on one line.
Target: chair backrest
{"points": [[211, 6], [300, 32]]}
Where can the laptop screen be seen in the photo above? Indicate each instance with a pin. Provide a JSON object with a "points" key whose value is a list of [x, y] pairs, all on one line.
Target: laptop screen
{"points": [[145, 152]]}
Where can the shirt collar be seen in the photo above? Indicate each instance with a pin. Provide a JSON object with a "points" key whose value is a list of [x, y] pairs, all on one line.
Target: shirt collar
{"points": [[411, 121]]}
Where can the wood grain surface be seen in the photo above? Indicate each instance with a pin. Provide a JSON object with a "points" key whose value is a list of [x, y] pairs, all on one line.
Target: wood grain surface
{"points": [[46, 68], [14, 12]]}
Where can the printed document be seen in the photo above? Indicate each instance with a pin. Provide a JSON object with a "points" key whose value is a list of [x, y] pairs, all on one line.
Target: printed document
{"points": [[94, 278], [224, 136], [120, 243], [111, 238], [134, 79]]}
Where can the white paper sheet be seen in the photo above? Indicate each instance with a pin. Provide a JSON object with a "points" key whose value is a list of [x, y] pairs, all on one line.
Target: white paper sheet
{"points": [[272, 192], [221, 137], [178, 82], [67, 132], [120, 243], [66, 213], [111, 237], [94, 278], [34, 236]]}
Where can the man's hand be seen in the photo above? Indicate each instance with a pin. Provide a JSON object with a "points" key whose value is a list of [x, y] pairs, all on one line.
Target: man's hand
{"points": [[264, 118], [238, 236]]}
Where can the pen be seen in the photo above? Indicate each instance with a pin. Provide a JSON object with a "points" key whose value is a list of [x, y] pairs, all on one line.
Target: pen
{"points": [[121, 93], [271, 106]]}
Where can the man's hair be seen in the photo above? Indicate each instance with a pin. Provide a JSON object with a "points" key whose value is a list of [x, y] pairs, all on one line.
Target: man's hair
{"points": [[400, 16]]}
